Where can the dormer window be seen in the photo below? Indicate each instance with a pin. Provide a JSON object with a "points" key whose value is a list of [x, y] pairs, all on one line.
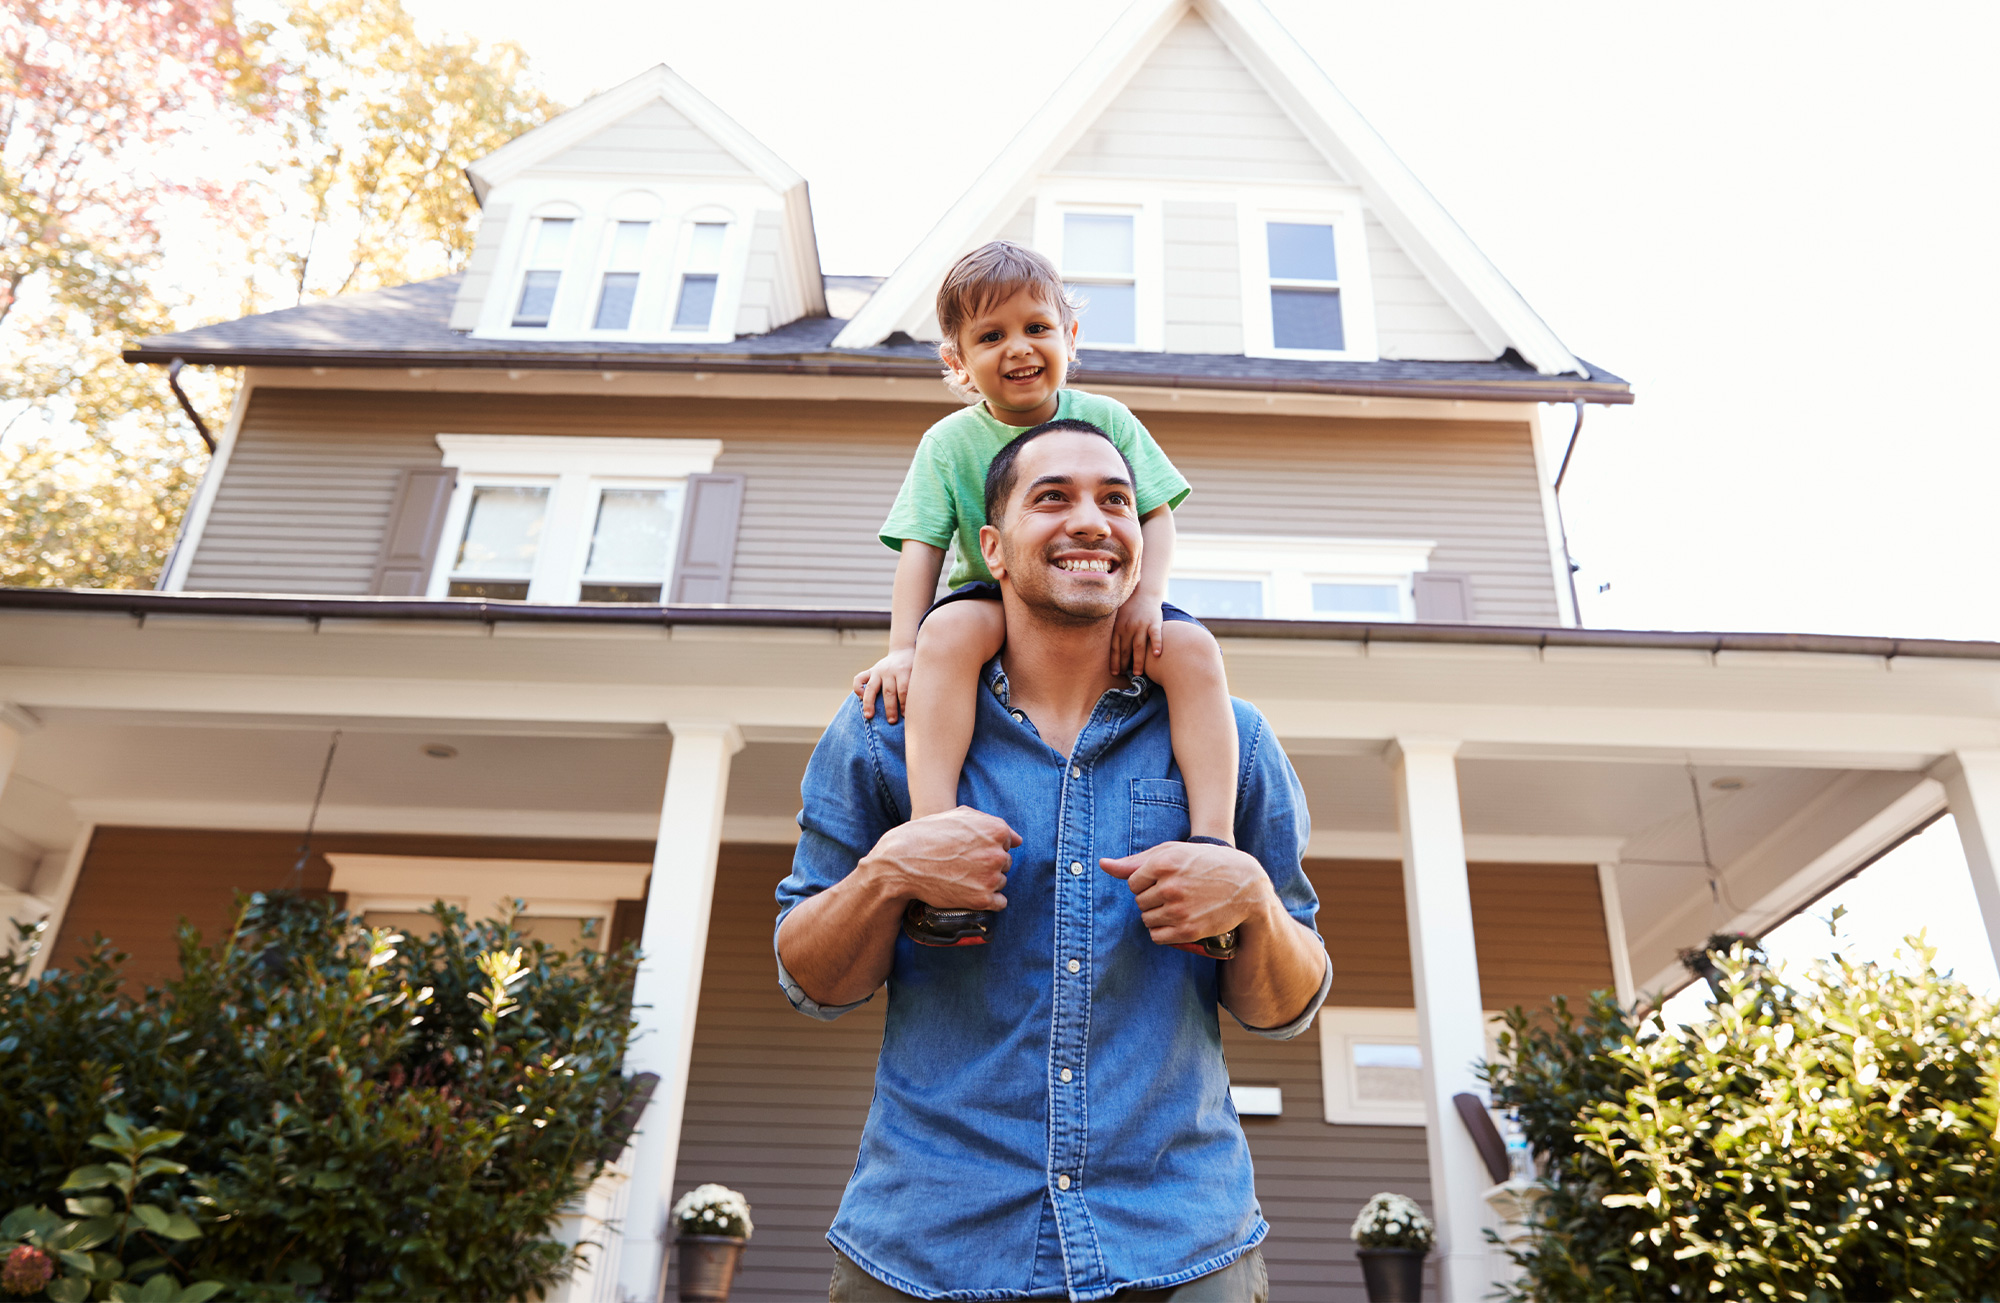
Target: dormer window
{"points": [[620, 287], [1305, 287], [1099, 266], [699, 272], [548, 249]]}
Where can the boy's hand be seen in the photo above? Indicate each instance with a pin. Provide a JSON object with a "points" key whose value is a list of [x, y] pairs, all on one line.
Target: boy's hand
{"points": [[890, 679], [1135, 635]]}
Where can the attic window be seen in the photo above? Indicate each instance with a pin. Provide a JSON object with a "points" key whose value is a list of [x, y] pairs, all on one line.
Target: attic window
{"points": [[1098, 266], [698, 276], [544, 274], [621, 275], [1305, 287]]}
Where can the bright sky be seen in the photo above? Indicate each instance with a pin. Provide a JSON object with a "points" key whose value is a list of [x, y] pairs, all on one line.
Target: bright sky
{"points": [[1776, 220]]}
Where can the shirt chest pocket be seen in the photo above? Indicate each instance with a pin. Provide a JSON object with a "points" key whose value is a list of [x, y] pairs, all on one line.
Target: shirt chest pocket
{"points": [[1159, 813]]}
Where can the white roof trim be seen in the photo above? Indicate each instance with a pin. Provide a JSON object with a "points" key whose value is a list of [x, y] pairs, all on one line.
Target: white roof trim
{"points": [[661, 82], [1471, 283]]}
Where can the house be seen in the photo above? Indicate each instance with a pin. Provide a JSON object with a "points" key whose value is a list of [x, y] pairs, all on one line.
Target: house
{"points": [[541, 581]]}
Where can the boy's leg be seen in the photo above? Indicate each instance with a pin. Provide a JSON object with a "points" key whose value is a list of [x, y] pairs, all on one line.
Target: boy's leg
{"points": [[1203, 720], [955, 643]]}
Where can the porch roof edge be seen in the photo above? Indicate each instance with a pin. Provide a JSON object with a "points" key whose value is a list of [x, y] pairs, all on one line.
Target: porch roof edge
{"points": [[139, 604]]}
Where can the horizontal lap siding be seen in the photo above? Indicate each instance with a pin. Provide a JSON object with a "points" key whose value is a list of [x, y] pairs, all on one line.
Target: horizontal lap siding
{"points": [[1412, 319], [657, 140], [306, 497], [1204, 283], [1468, 486], [1194, 111]]}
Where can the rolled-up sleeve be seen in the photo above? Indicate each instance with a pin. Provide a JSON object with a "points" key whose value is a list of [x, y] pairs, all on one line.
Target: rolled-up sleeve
{"points": [[846, 806], [1273, 825]]}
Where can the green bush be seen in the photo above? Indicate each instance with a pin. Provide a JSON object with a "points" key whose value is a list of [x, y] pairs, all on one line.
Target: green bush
{"points": [[367, 1116], [1829, 1137]]}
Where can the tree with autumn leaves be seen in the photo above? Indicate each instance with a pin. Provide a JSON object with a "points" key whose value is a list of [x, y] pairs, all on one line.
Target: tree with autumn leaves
{"points": [[169, 162]]}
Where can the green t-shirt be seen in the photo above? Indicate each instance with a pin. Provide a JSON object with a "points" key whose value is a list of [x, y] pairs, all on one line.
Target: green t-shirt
{"points": [[944, 495]]}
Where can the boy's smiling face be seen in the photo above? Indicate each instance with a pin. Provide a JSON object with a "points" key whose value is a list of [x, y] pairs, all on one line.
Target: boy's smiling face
{"points": [[1016, 353]]}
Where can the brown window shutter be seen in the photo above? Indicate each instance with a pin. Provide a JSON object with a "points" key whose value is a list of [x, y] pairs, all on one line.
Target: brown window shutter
{"points": [[1443, 599], [708, 540], [411, 547]]}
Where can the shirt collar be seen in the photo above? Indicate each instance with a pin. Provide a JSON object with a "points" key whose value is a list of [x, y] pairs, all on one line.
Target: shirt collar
{"points": [[1138, 688]]}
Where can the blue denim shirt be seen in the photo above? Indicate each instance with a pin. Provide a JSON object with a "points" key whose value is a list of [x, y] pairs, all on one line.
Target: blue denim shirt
{"points": [[1051, 1115]]}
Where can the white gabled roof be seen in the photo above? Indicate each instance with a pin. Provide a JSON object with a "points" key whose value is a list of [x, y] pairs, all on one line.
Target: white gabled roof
{"points": [[1426, 232]]}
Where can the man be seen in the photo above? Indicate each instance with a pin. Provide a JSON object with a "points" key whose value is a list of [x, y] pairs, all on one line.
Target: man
{"points": [[1051, 1114]]}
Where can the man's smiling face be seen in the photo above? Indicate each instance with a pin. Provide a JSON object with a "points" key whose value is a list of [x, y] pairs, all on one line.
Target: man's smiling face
{"points": [[1068, 539], [1015, 353]]}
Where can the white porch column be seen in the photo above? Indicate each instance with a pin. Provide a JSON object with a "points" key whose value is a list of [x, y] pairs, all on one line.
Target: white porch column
{"points": [[1972, 793], [1451, 1020], [673, 944], [1614, 935]]}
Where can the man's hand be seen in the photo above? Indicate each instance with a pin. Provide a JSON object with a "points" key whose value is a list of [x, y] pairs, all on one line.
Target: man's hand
{"points": [[954, 860], [1135, 634], [1188, 891], [890, 679]]}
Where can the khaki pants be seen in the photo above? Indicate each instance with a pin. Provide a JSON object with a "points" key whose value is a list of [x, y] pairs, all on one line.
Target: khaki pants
{"points": [[1242, 1281]]}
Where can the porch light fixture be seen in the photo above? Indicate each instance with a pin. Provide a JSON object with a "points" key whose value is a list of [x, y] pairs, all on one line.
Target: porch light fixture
{"points": [[440, 751], [1728, 784]]}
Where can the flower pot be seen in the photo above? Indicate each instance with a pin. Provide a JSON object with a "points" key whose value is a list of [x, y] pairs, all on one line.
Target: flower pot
{"points": [[708, 1266], [1392, 1275]]}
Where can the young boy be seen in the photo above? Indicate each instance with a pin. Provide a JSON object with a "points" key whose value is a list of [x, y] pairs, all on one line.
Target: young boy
{"points": [[1009, 337]]}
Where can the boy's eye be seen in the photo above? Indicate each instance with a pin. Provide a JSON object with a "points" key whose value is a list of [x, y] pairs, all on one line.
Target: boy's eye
{"points": [[989, 337], [1038, 328]]}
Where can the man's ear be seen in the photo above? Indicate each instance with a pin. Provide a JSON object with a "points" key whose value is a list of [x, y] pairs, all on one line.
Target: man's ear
{"points": [[989, 549]]}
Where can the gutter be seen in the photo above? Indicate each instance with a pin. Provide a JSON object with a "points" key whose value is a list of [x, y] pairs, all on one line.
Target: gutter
{"points": [[1553, 389], [174, 383], [139, 604]]}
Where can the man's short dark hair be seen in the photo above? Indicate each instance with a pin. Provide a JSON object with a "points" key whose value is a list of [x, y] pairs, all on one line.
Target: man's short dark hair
{"points": [[1000, 476]]}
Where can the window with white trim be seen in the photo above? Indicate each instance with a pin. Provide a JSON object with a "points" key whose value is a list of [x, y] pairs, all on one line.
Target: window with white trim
{"points": [[1305, 286], [1372, 1065], [701, 269], [548, 248], [1248, 576], [1100, 269], [618, 289], [565, 519]]}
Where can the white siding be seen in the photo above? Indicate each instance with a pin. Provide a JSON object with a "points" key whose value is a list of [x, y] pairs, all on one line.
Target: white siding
{"points": [[1020, 228], [1193, 111], [480, 267], [656, 140], [1412, 320], [760, 309], [810, 512], [1204, 281]]}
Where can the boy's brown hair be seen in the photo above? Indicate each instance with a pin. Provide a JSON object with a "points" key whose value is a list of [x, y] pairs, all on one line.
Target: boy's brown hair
{"points": [[995, 271]]}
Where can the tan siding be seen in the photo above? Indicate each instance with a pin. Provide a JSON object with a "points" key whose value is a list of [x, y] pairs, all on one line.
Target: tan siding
{"points": [[479, 269], [1204, 281], [1020, 228], [306, 498], [1469, 486], [1412, 319], [137, 884], [657, 140], [1194, 111]]}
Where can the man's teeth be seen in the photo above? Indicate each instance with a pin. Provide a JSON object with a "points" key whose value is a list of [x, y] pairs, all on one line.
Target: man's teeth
{"points": [[1101, 565]]}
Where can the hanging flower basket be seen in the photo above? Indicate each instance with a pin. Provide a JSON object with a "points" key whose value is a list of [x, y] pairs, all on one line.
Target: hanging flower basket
{"points": [[714, 1224]]}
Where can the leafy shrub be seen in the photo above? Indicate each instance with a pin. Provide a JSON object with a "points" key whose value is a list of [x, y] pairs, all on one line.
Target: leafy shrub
{"points": [[367, 1116], [144, 1237], [1822, 1138]]}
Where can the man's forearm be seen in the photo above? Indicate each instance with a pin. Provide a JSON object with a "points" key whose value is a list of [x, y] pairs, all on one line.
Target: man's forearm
{"points": [[1277, 970], [838, 945]]}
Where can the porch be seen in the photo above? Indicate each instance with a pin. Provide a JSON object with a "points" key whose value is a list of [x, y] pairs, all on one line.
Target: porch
{"points": [[1500, 816]]}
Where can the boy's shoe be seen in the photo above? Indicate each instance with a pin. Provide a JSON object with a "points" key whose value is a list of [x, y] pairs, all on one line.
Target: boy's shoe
{"points": [[946, 927]]}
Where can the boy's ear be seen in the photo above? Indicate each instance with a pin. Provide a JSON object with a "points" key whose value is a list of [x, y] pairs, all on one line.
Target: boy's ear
{"points": [[989, 549], [948, 354]]}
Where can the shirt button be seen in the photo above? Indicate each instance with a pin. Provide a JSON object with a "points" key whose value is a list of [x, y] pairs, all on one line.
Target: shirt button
{"points": [[1062, 1183], [1074, 772], [1076, 867], [1067, 1074], [1019, 717], [1075, 966]]}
